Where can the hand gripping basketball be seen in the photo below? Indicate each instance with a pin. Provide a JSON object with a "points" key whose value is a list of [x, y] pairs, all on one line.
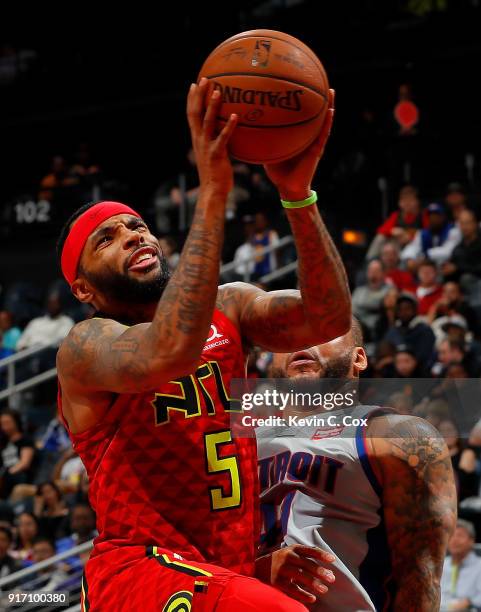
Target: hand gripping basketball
{"points": [[293, 177]]}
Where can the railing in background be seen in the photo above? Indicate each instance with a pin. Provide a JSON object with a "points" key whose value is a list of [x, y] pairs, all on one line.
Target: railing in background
{"points": [[230, 267], [18, 578], [10, 363]]}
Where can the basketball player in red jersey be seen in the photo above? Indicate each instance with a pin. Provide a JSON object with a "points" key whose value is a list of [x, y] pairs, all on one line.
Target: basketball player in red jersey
{"points": [[144, 388]]}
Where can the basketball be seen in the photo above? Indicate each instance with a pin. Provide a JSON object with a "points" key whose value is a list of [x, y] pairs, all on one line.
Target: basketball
{"points": [[278, 88]]}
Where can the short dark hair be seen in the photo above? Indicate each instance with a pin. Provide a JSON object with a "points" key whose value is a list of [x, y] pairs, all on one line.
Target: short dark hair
{"points": [[429, 263], [50, 484], [7, 532], [42, 538], [408, 188], [66, 228], [15, 416], [83, 505]]}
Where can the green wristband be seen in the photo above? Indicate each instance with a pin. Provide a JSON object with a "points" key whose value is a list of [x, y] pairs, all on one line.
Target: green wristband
{"points": [[312, 199]]}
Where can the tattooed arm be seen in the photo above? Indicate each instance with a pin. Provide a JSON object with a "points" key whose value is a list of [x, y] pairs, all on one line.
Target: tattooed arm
{"points": [[413, 465], [102, 355], [283, 321]]}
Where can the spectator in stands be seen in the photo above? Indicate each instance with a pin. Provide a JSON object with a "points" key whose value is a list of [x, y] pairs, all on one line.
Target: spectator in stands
{"points": [[9, 333], [429, 290], [55, 439], [367, 300], [443, 325], [406, 364], [8, 564], [28, 529], [457, 371], [82, 525], [50, 509], [388, 312], [50, 578], [465, 261], [244, 254], [455, 200], [18, 453], [83, 166], [170, 251], [402, 224], [59, 177], [68, 471], [52, 327], [390, 259], [463, 460], [436, 242], [461, 578], [86, 173], [448, 351], [410, 329], [455, 329], [452, 302], [383, 362], [264, 236]]}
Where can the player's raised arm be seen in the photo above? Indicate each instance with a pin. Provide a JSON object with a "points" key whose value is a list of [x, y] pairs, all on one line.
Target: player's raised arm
{"points": [[290, 320], [419, 501], [104, 355]]}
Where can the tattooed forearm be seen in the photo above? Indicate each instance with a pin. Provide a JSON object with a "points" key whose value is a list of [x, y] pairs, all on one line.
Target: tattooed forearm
{"points": [[191, 293], [326, 299], [419, 500]]}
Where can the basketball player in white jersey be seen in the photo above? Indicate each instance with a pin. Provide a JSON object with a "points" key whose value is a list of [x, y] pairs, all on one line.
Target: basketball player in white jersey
{"points": [[381, 496]]}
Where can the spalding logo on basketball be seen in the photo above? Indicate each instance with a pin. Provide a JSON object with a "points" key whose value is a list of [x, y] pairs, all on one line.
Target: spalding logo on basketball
{"points": [[276, 85]]}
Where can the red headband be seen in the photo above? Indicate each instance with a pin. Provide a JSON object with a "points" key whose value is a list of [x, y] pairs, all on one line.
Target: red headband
{"points": [[83, 227]]}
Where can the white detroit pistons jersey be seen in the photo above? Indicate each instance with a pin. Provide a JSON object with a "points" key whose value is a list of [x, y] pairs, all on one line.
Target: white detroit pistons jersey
{"points": [[318, 489]]}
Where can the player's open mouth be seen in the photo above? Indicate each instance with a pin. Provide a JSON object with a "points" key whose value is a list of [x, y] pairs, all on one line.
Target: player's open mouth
{"points": [[143, 258], [302, 358]]}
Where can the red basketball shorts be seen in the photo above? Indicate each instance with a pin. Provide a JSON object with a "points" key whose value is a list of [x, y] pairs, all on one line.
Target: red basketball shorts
{"points": [[140, 579]]}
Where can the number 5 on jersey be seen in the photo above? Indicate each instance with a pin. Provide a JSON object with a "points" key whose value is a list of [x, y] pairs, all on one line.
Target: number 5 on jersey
{"points": [[219, 497]]}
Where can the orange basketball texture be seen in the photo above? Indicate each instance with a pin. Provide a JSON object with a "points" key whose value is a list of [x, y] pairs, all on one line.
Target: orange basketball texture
{"points": [[276, 85]]}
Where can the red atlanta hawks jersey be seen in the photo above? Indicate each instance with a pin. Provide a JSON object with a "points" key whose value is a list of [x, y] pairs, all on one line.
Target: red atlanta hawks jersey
{"points": [[164, 468]]}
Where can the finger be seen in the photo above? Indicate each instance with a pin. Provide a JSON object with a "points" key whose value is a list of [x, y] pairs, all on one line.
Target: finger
{"points": [[192, 117], [331, 99], [314, 552], [319, 144], [307, 583], [226, 133], [314, 569], [210, 118], [195, 104]]}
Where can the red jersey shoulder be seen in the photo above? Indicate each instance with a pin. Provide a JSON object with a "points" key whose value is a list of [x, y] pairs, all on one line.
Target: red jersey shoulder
{"points": [[222, 334]]}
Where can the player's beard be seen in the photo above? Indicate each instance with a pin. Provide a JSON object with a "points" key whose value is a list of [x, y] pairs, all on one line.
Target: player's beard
{"points": [[337, 367], [124, 288]]}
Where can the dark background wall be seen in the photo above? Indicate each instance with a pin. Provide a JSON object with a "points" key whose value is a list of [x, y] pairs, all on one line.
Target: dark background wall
{"points": [[119, 80]]}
